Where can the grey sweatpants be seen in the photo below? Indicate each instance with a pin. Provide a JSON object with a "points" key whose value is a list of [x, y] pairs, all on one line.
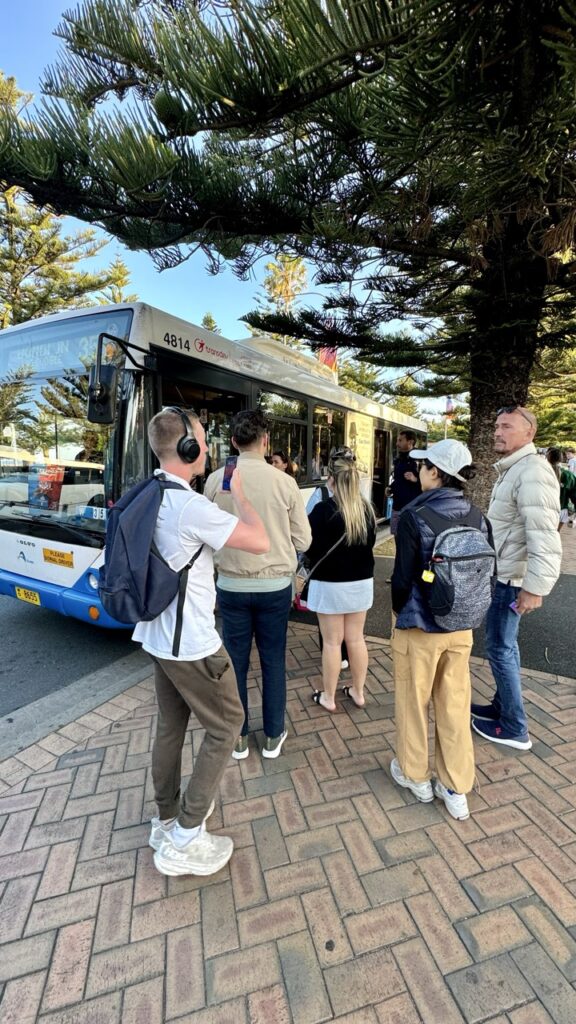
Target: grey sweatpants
{"points": [[207, 688]]}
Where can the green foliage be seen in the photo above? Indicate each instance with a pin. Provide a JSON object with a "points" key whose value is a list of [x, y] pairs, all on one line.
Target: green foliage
{"points": [[115, 291], [209, 323], [15, 392], [361, 377], [420, 156], [553, 398], [286, 278], [39, 272], [39, 266]]}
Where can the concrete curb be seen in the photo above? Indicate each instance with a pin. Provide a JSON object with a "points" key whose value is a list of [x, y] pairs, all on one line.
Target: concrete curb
{"points": [[29, 724]]}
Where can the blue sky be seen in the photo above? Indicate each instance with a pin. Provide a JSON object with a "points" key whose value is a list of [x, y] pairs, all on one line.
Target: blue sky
{"points": [[27, 46]]}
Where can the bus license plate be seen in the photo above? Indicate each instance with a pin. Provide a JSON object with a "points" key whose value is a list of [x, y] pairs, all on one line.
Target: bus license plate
{"points": [[27, 595]]}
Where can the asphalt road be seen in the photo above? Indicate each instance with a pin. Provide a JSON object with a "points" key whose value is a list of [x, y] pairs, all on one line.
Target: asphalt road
{"points": [[42, 652], [547, 637]]}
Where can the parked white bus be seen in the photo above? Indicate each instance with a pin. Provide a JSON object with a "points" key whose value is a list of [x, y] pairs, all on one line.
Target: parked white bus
{"points": [[65, 458]]}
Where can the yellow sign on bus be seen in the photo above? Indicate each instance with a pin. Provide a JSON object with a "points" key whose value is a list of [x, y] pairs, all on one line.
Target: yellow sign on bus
{"points": [[63, 558]]}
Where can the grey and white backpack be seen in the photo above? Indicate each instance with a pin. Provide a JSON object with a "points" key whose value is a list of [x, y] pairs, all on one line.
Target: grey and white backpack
{"points": [[459, 581]]}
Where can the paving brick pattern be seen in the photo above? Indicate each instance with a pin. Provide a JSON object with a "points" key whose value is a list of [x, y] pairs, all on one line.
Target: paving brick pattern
{"points": [[345, 900]]}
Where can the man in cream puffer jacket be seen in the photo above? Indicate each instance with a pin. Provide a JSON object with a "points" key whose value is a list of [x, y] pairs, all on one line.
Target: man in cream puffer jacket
{"points": [[524, 510]]}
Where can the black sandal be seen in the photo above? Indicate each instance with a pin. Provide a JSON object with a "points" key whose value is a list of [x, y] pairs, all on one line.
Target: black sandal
{"points": [[346, 693], [316, 698]]}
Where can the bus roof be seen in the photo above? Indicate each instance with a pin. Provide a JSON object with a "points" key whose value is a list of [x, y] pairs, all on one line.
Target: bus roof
{"points": [[260, 357]]}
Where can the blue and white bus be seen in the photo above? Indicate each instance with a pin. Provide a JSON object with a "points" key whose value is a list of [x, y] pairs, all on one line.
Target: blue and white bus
{"points": [[62, 466]]}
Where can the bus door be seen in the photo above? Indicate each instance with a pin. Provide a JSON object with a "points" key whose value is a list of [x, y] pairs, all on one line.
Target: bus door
{"points": [[215, 399], [382, 464]]}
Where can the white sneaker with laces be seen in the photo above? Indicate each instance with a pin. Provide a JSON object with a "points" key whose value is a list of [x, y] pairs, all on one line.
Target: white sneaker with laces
{"points": [[204, 855], [345, 663], [160, 832], [422, 790], [456, 803]]}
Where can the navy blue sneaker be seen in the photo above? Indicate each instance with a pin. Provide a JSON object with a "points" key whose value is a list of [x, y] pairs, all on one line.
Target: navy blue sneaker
{"points": [[496, 733], [486, 712]]}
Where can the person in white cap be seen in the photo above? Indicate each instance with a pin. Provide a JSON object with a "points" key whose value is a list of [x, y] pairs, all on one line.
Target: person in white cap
{"points": [[431, 664]]}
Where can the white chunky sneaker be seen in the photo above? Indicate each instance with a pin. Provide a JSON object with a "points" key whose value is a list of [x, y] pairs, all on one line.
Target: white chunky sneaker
{"points": [[456, 803], [272, 747], [241, 749], [422, 790], [159, 832], [204, 855]]}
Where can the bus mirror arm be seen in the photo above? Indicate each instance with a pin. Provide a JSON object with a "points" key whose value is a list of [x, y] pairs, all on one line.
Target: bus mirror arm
{"points": [[103, 383]]}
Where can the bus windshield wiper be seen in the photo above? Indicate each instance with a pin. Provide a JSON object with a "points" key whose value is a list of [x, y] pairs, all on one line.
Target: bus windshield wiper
{"points": [[75, 531]]}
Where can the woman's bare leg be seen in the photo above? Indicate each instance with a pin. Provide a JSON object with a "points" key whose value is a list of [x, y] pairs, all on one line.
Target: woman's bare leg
{"points": [[357, 653], [332, 629]]}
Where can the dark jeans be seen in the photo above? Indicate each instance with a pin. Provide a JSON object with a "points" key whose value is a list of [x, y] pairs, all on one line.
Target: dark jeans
{"points": [[264, 616], [206, 688], [503, 653]]}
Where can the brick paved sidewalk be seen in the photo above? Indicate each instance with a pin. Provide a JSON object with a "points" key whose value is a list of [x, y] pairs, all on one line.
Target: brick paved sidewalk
{"points": [[345, 899]]}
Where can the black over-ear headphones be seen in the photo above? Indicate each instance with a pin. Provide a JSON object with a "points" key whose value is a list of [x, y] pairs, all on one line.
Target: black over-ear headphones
{"points": [[187, 448]]}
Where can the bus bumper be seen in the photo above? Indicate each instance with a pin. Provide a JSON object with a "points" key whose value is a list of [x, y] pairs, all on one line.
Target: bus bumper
{"points": [[78, 602]]}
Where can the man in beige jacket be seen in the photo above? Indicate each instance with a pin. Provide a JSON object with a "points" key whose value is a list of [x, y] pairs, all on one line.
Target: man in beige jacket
{"points": [[524, 510], [255, 592]]}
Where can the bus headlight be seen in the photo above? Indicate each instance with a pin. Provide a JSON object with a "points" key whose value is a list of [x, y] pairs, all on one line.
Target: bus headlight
{"points": [[93, 580]]}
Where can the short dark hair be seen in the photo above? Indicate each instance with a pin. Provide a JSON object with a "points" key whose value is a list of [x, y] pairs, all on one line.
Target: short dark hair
{"points": [[408, 434], [249, 426]]}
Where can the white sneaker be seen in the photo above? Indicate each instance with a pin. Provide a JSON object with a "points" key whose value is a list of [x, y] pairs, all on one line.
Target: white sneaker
{"points": [[422, 790], [160, 832], [345, 664], [456, 803], [204, 855], [272, 747], [241, 749]]}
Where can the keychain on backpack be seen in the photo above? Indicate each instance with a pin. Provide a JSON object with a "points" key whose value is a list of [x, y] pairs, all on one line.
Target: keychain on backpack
{"points": [[428, 576]]}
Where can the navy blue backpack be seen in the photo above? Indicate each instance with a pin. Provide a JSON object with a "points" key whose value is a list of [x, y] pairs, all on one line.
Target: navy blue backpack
{"points": [[136, 582]]}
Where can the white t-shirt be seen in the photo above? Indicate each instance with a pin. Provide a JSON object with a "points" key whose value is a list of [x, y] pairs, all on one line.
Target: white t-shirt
{"points": [[185, 521]]}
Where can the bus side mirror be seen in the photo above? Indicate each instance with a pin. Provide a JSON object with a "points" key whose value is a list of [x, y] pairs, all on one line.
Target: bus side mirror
{"points": [[102, 392]]}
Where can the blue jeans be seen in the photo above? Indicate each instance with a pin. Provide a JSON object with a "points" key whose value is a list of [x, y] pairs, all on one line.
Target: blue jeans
{"points": [[264, 616], [502, 651]]}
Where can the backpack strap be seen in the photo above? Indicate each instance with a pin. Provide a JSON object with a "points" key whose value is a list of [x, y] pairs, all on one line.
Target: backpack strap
{"points": [[438, 523], [167, 485], [180, 605], [325, 492]]}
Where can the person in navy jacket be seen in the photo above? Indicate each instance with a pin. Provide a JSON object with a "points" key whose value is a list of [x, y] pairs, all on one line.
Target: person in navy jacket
{"points": [[430, 663]]}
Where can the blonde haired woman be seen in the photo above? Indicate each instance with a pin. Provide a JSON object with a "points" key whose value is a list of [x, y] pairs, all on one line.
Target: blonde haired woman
{"points": [[341, 588]]}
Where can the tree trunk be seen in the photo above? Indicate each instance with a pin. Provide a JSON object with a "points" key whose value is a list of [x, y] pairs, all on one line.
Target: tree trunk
{"points": [[507, 305]]}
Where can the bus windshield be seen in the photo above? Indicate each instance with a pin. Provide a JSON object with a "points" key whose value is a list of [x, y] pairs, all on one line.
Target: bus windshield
{"points": [[52, 460]]}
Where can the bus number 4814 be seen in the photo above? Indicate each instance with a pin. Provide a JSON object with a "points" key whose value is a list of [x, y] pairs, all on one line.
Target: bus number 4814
{"points": [[176, 342]]}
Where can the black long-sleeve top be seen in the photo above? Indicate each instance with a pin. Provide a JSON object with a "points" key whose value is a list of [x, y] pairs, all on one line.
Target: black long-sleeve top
{"points": [[347, 562]]}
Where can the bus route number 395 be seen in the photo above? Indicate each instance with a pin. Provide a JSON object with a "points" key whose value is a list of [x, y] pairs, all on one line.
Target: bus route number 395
{"points": [[176, 342]]}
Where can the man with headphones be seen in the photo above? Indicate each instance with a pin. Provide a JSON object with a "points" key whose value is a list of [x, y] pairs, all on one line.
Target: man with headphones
{"points": [[200, 679]]}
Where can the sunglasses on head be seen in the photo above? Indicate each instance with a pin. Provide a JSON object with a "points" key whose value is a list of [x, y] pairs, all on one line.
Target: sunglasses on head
{"points": [[343, 453], [514, 408]]}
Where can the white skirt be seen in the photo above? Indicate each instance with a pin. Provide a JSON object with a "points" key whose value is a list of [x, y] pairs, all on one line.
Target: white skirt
{"points": [[340, 598]]}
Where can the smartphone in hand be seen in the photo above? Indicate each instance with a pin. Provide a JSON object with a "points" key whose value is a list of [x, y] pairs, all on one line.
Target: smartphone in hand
{"points": [[229, 467]]}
